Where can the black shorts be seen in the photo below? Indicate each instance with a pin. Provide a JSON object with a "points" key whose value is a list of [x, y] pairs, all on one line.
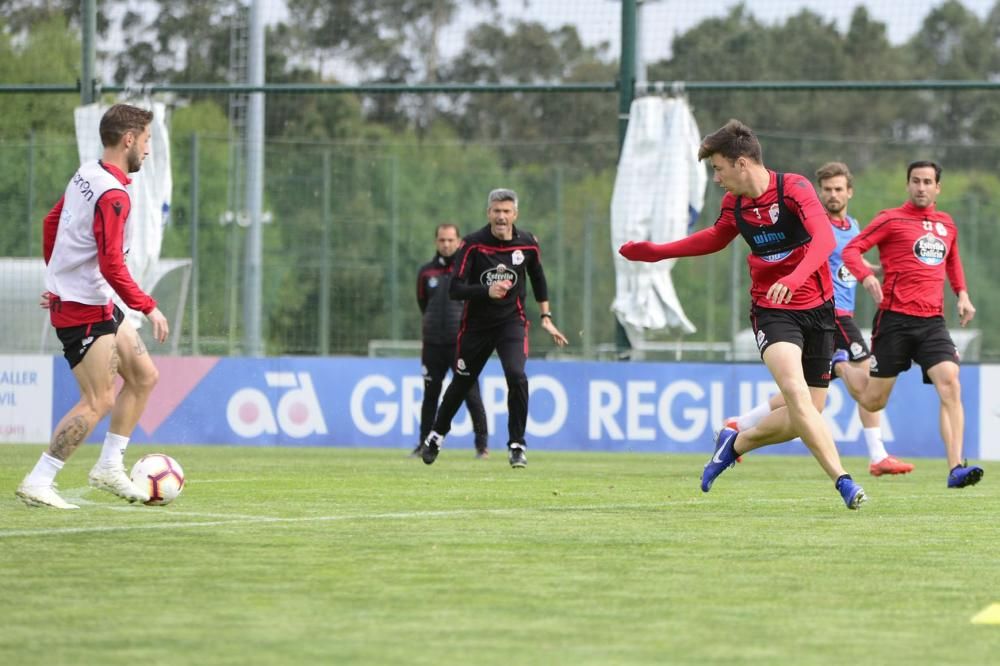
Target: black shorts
{"points": [[76, 340], [848, 336], [810, 330], [898, 339]]}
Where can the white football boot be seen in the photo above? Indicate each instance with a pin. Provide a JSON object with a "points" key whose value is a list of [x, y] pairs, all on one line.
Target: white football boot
{"points": [[114, 480], [42, 496]]}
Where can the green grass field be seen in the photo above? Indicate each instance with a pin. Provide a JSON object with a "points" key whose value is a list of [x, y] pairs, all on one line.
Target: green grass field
{"points": [[354, 556]]}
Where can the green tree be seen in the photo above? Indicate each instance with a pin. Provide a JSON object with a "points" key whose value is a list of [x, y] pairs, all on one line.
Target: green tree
{"points": [[37, 151], [534, 127]]}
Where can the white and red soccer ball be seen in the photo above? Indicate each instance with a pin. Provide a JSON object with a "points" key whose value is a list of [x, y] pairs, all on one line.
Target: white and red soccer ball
{"points": [[159, 475]]}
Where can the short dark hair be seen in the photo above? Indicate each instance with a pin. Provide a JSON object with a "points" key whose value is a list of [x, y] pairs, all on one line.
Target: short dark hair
{"points": [[447, 225], [919, 164], [121, 119], [732, 140], [832, 170]]}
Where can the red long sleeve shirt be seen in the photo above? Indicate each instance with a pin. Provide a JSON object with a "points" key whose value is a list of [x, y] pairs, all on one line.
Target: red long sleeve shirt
{"points": [[917, 248], [803, 269]]}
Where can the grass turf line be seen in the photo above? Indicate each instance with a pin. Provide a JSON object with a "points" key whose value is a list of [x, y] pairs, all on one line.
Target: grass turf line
{"points": [[299, 555]]}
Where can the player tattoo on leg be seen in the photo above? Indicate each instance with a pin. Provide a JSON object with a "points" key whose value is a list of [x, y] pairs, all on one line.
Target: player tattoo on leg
{"points": [[68, 439], [114, 360], [140, 347]]}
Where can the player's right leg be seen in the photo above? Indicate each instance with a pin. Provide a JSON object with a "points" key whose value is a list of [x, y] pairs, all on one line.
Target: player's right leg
{"points": [[434, 361], [94, 373], [471, 353]]}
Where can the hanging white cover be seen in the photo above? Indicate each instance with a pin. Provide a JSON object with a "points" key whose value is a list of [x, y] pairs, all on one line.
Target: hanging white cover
{"points": [[659, 191]]}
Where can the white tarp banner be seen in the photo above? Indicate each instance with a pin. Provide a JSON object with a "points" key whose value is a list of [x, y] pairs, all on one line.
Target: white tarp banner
{"points": [[150, 193], [659, 191]]}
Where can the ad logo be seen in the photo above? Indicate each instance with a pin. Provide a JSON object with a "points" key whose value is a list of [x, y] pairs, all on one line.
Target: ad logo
{"points": [[298, 414]]}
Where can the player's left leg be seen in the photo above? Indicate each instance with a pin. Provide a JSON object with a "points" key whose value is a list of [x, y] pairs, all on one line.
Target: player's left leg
{"points": [[512, 348], [140, 375], [944, 376]]}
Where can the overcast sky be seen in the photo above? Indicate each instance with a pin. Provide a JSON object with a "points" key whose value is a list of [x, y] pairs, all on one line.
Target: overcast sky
{"points": [[599, 20]]}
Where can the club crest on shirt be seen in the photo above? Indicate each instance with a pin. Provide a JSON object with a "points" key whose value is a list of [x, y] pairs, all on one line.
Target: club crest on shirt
{"points": [[517, 257], [499, 273], [773, 212], [845, 276], [929, 249], [941, 229], [432, 282]]}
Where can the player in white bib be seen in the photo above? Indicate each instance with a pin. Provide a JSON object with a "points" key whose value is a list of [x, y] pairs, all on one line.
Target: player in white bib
{"points": [[83, 244]]}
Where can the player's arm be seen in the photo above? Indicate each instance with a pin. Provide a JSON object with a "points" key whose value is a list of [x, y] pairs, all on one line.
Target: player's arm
{"points": [[50, 226], [421, 292], [956, 277], [110, 213], [463, 287], [540, 288], [866, 240], [706, 241]]}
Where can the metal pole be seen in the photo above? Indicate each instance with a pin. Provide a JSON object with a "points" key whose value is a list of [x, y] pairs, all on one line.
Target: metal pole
{"points": [[626, 93], [252, 301], [324, 262], [31, 188], [587, 321], [394, 312], [89, 55], [626, 69], [560, 302], [195, 346]]}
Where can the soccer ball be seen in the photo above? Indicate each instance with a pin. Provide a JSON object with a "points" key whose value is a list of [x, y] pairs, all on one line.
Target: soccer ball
{"points": [[159, 475]]}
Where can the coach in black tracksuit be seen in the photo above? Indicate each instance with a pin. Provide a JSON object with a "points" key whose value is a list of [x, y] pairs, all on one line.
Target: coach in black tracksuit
{"points": [[490, 272], [441, 319]]}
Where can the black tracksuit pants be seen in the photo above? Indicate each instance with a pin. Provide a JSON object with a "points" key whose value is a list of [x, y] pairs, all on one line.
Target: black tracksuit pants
{"points": [[474, 348]]}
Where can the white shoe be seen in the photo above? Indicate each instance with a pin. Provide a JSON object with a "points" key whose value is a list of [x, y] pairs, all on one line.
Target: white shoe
{"points": [[42, 496], [114, 480]]}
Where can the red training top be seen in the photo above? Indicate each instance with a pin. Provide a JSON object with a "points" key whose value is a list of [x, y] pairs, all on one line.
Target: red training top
{"points": [[917, 247]]}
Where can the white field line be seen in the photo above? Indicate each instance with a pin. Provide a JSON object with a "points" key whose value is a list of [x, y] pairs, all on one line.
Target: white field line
{"points": [[257, 520]]}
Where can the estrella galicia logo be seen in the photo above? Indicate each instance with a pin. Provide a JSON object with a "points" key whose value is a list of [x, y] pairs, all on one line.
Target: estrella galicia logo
{"points": [[845, 276], [930, 250], [499, 273], [776, 257]]}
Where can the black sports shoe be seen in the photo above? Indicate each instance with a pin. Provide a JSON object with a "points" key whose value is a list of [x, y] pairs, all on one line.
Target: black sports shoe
{"points": [[417, 450], [517, 457], [431, 448]]}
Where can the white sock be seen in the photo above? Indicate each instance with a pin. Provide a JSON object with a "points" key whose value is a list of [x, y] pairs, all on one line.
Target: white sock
{"points": [[754, 416], [113, 451], [876, 449], [44, 473]]}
